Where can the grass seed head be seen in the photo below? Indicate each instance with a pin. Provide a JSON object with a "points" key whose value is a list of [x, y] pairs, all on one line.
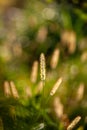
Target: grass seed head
{"points": [[34, 72], [74, 123], [84, 56], [42, 34], [7, 91], [55, 58], [42, 67], [72, 42], [58, 107], [56, 86], [68, 39], [14, 90], [28, 91], [80, 92]]}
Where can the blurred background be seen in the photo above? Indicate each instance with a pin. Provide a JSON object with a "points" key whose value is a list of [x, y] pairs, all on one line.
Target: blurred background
{"points": [[58, 28]]}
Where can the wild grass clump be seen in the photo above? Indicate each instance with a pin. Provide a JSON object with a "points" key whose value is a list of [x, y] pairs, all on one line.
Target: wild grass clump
{"points": [[44, 104]]}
